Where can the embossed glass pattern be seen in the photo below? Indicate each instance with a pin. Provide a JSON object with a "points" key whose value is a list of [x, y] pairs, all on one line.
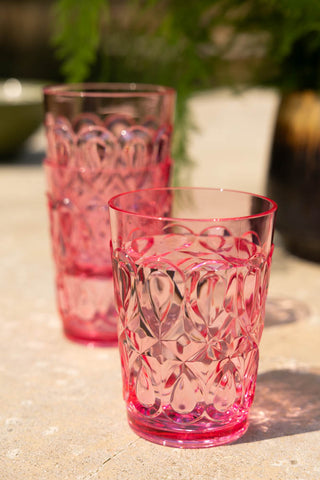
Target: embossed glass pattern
{"points": [[190, 291], [102, 139]]}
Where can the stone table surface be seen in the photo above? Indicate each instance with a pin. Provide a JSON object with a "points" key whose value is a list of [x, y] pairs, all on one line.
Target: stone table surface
{"points": [[61, 410]]}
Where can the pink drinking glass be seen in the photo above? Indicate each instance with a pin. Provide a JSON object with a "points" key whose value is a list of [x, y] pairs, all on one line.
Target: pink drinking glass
{"points": [[191, 271], [103, 139]]}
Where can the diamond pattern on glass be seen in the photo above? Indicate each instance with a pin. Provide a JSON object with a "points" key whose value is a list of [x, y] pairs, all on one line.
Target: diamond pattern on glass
{"points": [[196, 318]]}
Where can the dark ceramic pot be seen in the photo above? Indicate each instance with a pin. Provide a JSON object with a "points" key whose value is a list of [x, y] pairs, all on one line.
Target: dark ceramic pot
{"points": [[294, 176]]}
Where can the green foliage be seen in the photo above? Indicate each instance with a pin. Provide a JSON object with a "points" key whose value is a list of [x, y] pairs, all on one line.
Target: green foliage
{"points": [[172, 42], [77, 35], [291, 29], [164, 42]]}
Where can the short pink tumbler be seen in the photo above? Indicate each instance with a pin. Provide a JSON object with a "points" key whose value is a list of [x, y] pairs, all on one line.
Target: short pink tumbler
{"points": [[103, 139], [191, 271]]}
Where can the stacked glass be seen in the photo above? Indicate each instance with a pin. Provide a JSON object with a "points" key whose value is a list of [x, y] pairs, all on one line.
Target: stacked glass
{"points": [[102, 139]]}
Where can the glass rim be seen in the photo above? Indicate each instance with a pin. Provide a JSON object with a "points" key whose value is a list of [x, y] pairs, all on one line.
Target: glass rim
{"points": [[268, 212], [107, 90]]}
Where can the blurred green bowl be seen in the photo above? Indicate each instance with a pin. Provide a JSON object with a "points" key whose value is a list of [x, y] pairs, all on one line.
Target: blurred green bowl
{"points": [[21, 113]]}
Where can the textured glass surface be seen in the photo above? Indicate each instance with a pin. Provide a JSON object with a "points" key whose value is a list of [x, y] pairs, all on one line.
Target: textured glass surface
{"points": [[90, 160], [191, 317]]}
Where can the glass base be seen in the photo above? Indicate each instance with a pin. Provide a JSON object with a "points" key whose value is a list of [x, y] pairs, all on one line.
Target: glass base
{"points": [[100, 332], [94, 339], [87, 308], [190, 436]]}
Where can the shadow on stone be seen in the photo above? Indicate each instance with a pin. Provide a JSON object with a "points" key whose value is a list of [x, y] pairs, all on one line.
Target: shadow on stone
{"points": [[283, 310], [286, 403]]}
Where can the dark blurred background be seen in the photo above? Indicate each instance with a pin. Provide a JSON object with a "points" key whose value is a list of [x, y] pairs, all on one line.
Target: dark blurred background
{"points": [[25, 32], [192, 46]]}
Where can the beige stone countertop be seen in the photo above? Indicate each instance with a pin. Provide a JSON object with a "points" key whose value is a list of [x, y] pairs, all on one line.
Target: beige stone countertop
{"points": [[61, 410]]}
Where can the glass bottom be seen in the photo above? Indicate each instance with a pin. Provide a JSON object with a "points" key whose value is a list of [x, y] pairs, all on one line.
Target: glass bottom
{"points": [[189, 437], [99, 331], [92, 339], [87, 308]]}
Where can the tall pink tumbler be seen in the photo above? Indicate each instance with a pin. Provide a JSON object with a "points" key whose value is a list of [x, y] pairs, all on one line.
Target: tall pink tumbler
{"points": [[102, 139], [191, 272]]}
